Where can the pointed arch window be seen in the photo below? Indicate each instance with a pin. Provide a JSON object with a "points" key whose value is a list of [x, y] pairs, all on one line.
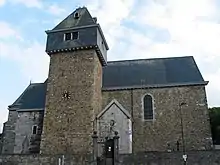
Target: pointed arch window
{"points": [[148, 107]]}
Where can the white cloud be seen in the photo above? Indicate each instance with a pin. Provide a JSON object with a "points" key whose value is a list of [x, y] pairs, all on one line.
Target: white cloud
{"points": [[3, 114], [110, 14], [213, 88], [2, 2], [28, 3], [188, 23], [34, 62], [31, 58], [7, 31], [169, 13], [56, 10]]}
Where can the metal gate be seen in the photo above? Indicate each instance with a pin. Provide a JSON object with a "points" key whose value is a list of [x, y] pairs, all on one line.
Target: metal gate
{"points": [[109, 154]]}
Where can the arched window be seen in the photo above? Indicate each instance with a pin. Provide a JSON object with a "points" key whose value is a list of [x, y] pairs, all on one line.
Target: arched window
{"points": [[148, 107]]}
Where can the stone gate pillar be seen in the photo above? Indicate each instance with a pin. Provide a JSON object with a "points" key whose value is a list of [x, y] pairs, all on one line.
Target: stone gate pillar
{"points": [[116, 148], [95, 147]]}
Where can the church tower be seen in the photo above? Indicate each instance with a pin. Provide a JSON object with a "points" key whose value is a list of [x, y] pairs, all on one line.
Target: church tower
{"points": [[78, 51]]}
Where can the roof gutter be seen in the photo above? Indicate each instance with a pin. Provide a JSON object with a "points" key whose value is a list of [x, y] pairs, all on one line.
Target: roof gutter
{"points": [[26, 110], [156, 86]]}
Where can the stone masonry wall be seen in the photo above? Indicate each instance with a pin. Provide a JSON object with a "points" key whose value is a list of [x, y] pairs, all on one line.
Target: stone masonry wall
{"points": [[97, 96], [148, 158], [172, 158], [45, 160], [8, 140], [122, 96], [68, 122], [164, 131], [24, 138]]}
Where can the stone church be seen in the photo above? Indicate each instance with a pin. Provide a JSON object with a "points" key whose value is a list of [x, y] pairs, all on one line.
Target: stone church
{"points": [[154, 104]]}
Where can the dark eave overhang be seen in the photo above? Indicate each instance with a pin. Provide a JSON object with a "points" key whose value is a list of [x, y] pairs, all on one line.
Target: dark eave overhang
{"points": [[14, 107], [30, 110], [155, 86], [26, 110]]}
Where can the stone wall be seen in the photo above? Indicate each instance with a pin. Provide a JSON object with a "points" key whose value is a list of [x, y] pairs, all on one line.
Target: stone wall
{"points": [[68, 123], [45, 160], [8, 134], [97, 93], [1, 140], [164, 131], [124, 97], [25, 141], [148, 158], [172, 158], [17, 132]]}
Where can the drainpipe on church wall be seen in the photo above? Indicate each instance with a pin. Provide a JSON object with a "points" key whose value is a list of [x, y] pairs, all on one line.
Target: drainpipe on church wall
{"points": [[182, 132], [132, 114]]}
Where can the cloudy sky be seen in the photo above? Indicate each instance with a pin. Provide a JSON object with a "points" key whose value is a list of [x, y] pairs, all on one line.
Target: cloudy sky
{"points": [[133, 29]]}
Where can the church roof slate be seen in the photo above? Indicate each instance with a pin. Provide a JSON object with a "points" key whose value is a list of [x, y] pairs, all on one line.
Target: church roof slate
{"points": [[128, 74], [155, 72], [33, 97]]}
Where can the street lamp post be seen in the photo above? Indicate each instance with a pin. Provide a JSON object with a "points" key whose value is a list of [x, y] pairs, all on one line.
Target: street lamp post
{"points": [[182, 132]]}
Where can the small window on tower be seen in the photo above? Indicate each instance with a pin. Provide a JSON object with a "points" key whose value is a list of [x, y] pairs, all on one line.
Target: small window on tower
{"points": [[67, 36], [76, 15], [34, 130], [75, 35]]}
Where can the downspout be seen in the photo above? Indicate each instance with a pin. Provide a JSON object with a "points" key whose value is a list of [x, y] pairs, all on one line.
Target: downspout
{"points": [[132, 115]]}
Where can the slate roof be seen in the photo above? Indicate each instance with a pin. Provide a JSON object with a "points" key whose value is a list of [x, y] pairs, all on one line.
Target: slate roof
{"points": [[155, 72], [158, 72], [32, 98], [85, 19]]}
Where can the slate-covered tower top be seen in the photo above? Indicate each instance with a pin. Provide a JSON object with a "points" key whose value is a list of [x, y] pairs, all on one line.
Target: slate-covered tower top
{"points": [[76, 32]]}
